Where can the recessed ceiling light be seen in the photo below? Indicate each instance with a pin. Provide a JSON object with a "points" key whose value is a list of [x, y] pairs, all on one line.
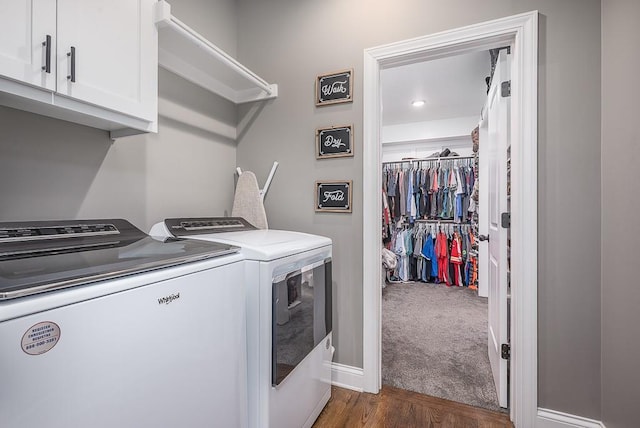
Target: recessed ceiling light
{"points": [[418, 103]]}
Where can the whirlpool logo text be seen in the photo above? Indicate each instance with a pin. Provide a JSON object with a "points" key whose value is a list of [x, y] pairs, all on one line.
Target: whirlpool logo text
{"points": [[168, 299]]}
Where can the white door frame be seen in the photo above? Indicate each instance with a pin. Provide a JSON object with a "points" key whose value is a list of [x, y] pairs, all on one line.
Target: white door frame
{"points": [[521, 32]]}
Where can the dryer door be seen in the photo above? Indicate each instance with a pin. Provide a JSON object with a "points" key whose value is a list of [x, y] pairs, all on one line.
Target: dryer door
{"points": [[301, 316]]}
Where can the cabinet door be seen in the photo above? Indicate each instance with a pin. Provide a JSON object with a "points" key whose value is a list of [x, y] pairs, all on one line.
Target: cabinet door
{"points": [[114, 60], [24, 26]]}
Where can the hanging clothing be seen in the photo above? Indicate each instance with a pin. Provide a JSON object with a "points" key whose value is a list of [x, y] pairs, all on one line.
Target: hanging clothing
{"points": [[442, 255], [426, 256], [401, 253], [428, 190], [456, 260], [429, 254], [402, 185]]}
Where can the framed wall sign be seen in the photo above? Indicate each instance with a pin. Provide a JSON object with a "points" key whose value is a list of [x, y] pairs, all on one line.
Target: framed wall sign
{"points": [[334, 88], [334, 142], [333, 196]]}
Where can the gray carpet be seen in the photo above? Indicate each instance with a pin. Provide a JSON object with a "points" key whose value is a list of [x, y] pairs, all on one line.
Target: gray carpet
{"points": [[434, 342]]}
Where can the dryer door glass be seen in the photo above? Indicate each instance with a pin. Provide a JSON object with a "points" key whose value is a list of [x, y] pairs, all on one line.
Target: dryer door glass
{"points": [[301, 316]]}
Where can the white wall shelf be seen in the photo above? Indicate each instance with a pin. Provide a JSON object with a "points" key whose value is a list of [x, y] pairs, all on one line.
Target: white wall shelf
{"points": [[188, 54]]}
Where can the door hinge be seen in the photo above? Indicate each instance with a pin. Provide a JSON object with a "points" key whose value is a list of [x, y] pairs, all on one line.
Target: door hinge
{"points": [[505, 88], [506, 220], [505, 351]]}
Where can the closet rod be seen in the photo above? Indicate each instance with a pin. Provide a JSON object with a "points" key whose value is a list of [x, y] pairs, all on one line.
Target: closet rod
{"points": [[427, 159], [435, 220], [430, 220]]}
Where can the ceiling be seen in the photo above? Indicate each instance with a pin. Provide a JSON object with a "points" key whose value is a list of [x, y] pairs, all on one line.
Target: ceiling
{"points": [[451, 87]]}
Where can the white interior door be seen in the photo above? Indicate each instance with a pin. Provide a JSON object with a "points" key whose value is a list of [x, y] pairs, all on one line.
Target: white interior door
{"points": [[496, 160]]}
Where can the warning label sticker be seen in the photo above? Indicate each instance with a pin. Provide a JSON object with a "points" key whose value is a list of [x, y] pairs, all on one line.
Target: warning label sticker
{"points": [[40, 338]]}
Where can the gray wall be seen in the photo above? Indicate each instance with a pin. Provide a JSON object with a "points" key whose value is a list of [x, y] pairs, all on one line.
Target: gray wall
{"points": [[620, 160], [290, 42], [53, 169]]}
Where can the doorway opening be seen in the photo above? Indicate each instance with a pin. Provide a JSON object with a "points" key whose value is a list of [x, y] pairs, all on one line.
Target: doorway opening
{"points": [[437, 335], [520, 33]]}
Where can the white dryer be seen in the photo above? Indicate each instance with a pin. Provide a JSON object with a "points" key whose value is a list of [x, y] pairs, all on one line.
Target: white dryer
{"points": [[289, 340]]}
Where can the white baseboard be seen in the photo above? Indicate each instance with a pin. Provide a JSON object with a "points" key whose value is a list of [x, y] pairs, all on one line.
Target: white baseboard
{"points": [[553, 419], [347, 377]]}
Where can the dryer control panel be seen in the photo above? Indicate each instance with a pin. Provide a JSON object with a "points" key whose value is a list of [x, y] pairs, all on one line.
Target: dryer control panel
{"points": [[204, 225]]}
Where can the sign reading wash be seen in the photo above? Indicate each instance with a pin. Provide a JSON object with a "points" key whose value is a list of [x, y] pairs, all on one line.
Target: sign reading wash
{"points": [[334, 142], [333, 196], [334, 88]]}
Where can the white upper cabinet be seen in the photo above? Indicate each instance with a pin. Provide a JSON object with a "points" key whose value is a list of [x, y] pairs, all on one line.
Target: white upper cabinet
{"points": [[27, 41], [92, 62], [107, 54]]}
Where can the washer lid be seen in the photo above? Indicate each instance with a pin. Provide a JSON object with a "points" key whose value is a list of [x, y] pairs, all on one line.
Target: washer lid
{"points": [[50, 255]]}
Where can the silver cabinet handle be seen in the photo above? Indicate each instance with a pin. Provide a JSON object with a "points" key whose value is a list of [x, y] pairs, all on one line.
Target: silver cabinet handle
{"points": [[72, 56], [47, 58]]}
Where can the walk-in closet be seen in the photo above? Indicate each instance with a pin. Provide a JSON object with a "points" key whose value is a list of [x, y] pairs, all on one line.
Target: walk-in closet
{"points": [[436, 330]]}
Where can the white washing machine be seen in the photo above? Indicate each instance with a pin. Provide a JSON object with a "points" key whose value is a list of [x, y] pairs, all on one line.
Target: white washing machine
{"points": [[102, 326], [289, 340]]}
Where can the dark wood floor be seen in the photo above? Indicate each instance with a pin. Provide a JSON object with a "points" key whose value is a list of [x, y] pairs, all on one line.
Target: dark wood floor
{"points": [[394, 407]]}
